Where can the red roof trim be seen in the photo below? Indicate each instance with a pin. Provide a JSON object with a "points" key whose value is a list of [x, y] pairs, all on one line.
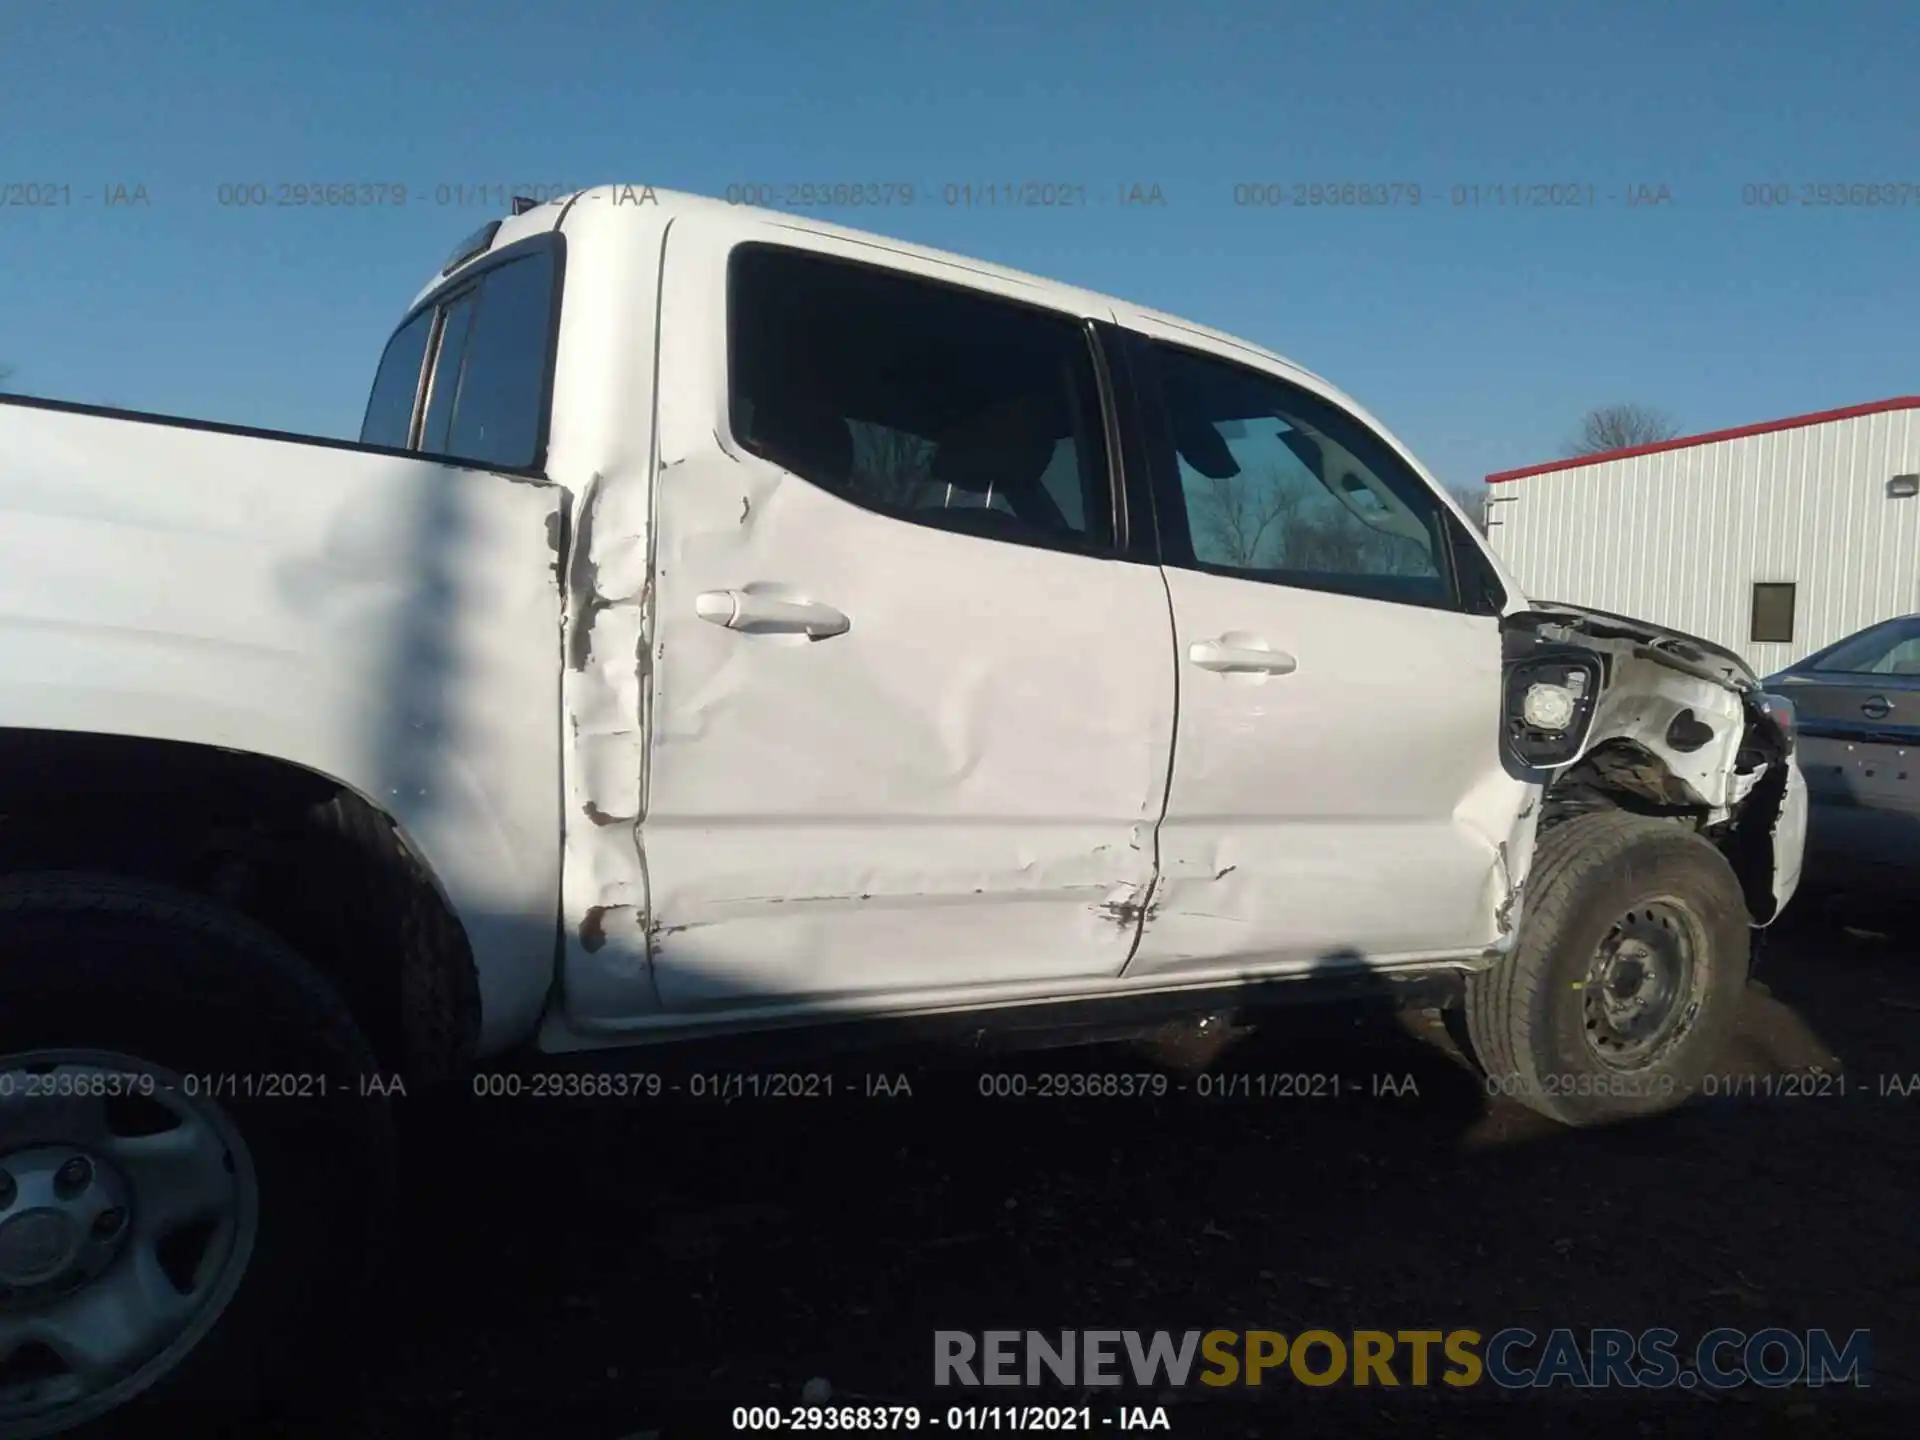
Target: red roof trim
{"points": [[1792, 422]]}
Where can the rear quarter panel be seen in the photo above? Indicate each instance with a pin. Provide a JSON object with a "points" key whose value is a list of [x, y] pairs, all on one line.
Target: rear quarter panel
{"points": [[389, 622]]}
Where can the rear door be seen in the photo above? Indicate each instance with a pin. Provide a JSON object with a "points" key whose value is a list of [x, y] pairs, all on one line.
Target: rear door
{"points": [[1337, 792], [911, 718]]}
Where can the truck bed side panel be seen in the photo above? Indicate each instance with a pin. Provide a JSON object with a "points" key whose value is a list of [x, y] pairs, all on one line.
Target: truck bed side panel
{"points": [[392, 623]]}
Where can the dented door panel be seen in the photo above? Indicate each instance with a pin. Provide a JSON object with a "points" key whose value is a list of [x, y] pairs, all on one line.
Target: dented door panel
{"points": [[957, 787], [1356, 807]]}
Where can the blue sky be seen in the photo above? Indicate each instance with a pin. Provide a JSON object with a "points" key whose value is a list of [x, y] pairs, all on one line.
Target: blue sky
{"points": [[1479, 333]]}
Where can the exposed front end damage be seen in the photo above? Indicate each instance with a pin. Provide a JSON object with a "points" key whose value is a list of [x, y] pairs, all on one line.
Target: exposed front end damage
{"points": [[1608, 712]]}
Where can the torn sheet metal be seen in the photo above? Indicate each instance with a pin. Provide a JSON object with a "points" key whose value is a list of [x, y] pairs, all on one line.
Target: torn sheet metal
{"points": [[1680, 723], [605, 688], [1693, 727], [1681, 700], [602, 449]]}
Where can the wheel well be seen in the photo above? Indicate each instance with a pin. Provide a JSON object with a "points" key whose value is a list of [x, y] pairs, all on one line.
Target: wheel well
{"points": [[308, 858], [1621, 774]]}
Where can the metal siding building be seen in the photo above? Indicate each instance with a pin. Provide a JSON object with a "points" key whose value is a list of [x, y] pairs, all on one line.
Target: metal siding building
{"points": [[1680, 533]]}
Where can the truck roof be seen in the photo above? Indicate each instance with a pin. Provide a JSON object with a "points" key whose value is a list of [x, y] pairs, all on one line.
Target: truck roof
{"points": [[615, 205]]}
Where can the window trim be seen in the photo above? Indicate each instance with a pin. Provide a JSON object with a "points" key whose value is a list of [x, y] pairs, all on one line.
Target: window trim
{"points": [[1134, 482], [436, 301], [1107, 428], [430, 370], [1165, 477], [1103, 384]]}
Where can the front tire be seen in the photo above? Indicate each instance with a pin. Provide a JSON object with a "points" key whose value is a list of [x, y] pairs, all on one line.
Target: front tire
{"points": [[1625, 981], [193, 1175]]}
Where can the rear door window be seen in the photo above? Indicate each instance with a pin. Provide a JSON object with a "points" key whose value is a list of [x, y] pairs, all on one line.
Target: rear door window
{"points": [[1883, 650], [936, 405], [497, 416]]}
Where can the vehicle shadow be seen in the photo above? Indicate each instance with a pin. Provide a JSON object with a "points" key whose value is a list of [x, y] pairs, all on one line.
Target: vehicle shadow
{"points": [[586, 1266], [572, 1263]]}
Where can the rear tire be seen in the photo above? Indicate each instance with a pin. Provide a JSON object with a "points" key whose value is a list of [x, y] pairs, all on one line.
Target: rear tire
{"points": [[245, 1038], [1625, 981]]}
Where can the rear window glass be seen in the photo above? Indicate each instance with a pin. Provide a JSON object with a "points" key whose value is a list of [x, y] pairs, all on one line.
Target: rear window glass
{"points": [[486, 400], [1884, 650], [497, 417], [389, 418]]}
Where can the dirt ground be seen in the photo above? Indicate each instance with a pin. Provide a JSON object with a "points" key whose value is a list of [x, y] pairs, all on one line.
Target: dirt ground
{"points": [[596, 1269]]}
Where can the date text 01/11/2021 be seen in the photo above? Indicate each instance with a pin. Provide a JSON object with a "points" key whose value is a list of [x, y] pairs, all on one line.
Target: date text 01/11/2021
{"points": [[62, 1083], [296, 194], [1410, 195], [699, 1085], [953, 195], [371, 195], [966, 1419], [898, 1085]]}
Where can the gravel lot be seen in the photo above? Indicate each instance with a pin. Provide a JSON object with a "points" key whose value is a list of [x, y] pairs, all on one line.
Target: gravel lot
{"points": [[594, 1269]]}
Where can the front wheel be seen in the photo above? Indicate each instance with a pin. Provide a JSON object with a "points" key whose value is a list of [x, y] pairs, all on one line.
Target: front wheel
{"points": [[191, 1172], [1625, 981]]}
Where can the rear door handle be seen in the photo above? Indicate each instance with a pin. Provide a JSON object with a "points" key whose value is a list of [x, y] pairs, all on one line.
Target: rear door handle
{"points": [[754, 614], [1240, 659]]}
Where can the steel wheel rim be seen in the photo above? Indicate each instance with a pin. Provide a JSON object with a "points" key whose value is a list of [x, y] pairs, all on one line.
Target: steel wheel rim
{"points": [[1644, 984], [95, 1308]]}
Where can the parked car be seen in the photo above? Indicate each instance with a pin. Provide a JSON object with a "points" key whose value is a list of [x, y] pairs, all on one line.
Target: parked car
{"points": [[730, 625], [1858, 703]]}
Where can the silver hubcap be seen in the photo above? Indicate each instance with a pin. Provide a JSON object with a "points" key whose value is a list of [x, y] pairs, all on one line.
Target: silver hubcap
{"points": [[128, 1209]]}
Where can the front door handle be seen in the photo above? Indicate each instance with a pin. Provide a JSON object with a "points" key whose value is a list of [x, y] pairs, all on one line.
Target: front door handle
{"points": [[1240, 659], [757, 614]]}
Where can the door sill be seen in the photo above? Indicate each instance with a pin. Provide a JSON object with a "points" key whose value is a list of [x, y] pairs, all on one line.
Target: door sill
{"points": [[1021, 1013]]}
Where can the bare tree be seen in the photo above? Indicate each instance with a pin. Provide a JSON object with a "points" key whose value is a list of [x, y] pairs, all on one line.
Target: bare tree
{"points": [[1621, 427], [1240, 519], [891, 467], [1473, 500], [1271, 522]]}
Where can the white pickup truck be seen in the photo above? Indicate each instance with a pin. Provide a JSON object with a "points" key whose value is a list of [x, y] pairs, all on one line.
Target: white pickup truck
{"points": [[730, 624]]}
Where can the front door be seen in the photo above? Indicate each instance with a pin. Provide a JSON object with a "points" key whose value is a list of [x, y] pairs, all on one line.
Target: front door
{"points": [[1337, 791]]}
